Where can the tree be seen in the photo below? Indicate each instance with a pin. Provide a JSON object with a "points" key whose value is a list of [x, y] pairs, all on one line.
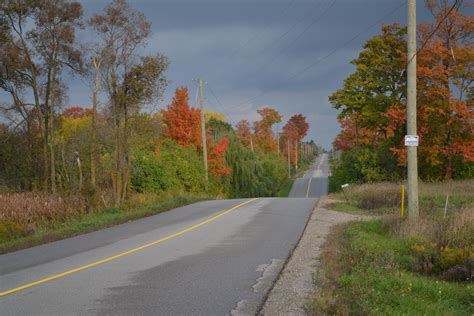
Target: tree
{"points": [[182, 121], [295, 130], [38, 43], [264, 135], [373, 112], [129, 81], [244, 132]]}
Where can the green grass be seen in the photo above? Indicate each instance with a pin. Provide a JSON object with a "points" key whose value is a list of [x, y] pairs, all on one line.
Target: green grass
{"points": [[286, 188], [367, 272], [51, 231]]}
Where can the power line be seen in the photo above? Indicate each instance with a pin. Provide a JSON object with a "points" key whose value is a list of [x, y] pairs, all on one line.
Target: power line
{"points": [[434, 31], [306, 29], [256, 35], [320, 59], [281, 36]]}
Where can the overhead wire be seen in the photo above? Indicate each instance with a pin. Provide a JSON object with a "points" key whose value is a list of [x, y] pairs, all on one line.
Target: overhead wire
{"points": [[256, 35], [320, 59], [300, 35]]}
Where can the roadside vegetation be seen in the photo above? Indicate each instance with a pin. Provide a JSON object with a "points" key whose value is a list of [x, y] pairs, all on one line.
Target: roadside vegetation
{"points": [[66, 169], [394, 266], [391, 265]]}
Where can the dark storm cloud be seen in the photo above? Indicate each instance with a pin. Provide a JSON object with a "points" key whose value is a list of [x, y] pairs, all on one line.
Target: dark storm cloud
{"points": [[239, 48]]}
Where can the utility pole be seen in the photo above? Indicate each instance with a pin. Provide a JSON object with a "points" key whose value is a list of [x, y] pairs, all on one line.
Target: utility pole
{"points": [[203, 134], [413, 212], [278, 142], [296, 155], [289, 158]]}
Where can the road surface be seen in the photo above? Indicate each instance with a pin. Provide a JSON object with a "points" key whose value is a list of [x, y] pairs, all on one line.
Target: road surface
{"points": [[208, 258], [314, 181]]}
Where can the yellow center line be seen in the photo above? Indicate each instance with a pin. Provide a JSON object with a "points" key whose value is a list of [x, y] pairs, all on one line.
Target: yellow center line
{"points": [[309, 186], [96, 263]]}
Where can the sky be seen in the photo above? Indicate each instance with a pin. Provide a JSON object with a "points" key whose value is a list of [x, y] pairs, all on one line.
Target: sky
{"points": [[287, 54]]}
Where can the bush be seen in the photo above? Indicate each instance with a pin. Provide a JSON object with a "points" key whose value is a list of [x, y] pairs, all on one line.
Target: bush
{"points": [[172, 168], [362, 165]]}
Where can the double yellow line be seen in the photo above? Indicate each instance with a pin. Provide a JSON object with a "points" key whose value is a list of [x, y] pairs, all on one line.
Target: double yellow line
{"points": [[122, 254]]}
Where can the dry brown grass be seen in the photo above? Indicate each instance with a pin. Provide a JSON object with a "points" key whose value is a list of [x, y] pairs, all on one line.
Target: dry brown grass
{"points": [[372, 196], [28, 208], [456, 230]]}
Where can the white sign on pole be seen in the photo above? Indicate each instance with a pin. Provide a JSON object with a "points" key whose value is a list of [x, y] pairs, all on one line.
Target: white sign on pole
{"points": [[411, 140], [345, 186]]}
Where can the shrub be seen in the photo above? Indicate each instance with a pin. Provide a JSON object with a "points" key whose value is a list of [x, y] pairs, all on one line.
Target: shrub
{"points": [[10, 230], [171, 168]]}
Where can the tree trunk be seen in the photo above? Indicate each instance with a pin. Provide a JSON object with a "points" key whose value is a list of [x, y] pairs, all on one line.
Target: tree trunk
{"points": [[51, 137], [94, 125]]}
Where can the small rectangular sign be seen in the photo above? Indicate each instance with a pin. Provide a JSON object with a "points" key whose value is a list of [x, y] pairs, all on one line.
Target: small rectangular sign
{"points": [[345, 185], [411, 140]]}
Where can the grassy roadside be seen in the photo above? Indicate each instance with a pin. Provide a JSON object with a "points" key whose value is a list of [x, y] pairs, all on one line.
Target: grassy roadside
{"points": [[394, 266], [48, 231], [285, 190], [367, 271]]}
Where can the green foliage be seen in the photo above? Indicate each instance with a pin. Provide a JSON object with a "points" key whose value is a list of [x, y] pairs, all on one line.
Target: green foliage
{"points": [[174, 168], [361, 165], [254, 173], [374, 278], [10, 230]]}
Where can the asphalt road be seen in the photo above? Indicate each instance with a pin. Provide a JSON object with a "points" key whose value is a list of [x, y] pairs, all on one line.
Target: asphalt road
{"points": [[314, 181], [209, 258]]}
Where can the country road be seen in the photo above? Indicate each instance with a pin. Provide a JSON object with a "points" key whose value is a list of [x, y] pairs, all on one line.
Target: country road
{"points": [[209, 258]]}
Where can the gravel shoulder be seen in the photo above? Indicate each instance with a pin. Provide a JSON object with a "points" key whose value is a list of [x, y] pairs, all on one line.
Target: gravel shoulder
{"points": [[295, 284]]}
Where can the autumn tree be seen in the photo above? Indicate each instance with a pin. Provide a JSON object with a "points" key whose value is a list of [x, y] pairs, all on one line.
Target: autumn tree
{"points": [[182, 121], [39, 42], [295, 130], [264, 136], [129, 81], [373, 111], [244, 133]]}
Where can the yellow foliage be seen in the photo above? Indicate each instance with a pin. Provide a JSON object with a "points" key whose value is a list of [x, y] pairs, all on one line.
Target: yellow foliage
{"points": [[215, 115], [71, 127]]}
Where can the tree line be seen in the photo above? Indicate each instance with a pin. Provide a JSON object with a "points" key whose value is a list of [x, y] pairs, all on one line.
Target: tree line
{"points": [[110, 150], [373, 105]]}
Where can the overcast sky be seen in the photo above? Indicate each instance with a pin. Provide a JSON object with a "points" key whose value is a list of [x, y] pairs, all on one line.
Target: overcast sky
{"points": [[252, 53]]}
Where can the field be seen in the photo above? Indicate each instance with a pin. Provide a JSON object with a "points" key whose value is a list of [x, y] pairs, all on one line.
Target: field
{"points": [[28, 219], [394, 266]]}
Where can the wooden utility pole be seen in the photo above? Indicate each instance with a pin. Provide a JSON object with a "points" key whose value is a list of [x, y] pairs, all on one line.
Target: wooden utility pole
{"points": [[278, 142], [203, 134], [413, 211], [296, 155], [289, 158]]}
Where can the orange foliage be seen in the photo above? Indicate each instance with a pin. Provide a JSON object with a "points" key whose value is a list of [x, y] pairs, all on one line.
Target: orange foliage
{"points": [[264, 136], [216, 158], [183, 125], [182, 121], [243, 132]]}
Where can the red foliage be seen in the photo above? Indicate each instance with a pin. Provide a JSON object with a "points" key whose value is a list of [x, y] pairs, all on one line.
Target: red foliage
{"points": [[295, 130], [216, 158], [76, 112], [182, 121]]}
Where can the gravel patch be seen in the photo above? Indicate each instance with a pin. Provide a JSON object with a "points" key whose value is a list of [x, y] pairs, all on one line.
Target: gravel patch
{"points": [[295, 284]]}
